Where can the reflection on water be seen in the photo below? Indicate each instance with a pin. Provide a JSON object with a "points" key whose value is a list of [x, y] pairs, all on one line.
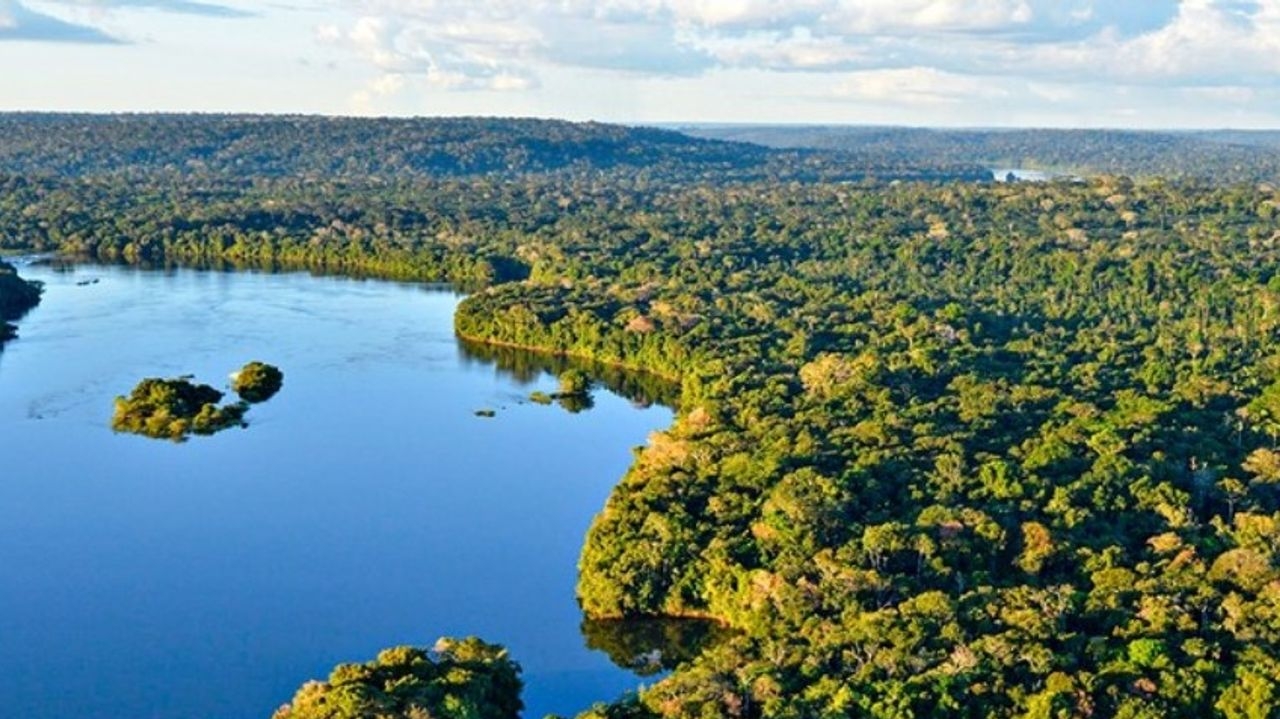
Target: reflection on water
{"points": [[268, 265], [653, 646], [525, 367]]}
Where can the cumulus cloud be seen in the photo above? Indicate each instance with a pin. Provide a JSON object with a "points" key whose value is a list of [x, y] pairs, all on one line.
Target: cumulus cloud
{"points": [[686, 37], [1205, 42], [917, 53], [457, 55]]}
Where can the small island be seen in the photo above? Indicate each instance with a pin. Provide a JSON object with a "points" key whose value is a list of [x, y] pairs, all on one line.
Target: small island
{"points": [[178, 408], [174, 409], [257, 382], [574, 394]]}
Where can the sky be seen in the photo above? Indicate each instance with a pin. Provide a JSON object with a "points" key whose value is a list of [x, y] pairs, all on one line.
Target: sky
{"points": [[1044, 63]]}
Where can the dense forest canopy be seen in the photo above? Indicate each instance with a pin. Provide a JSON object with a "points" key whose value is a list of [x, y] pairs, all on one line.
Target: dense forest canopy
{"points": [[174, 409], [946, 449], [951, 451], [253, 146], [1220, 157]]}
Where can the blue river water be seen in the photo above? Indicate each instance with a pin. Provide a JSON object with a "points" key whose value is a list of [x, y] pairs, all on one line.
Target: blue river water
{"points": [[365, 506]]}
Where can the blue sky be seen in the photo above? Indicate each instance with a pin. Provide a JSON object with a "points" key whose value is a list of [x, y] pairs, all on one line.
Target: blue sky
{"points": [[1113, 63]]}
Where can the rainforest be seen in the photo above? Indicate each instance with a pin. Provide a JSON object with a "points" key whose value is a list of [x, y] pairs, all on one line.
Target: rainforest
{"points": [[943, 447]]}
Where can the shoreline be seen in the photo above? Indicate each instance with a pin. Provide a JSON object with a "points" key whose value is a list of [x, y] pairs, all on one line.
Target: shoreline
{"points": [[568, 355]]}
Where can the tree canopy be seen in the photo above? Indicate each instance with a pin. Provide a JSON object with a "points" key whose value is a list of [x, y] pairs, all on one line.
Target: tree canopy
{"points": [[943, 448], [455, 679], [17, 297], [257, 382]]}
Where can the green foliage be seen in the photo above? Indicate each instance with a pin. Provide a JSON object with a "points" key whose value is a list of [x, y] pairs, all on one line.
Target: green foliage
{"points": [[986, 474], [257, 382], [174, 409], [235, 146], [456, 679], [947, 450], [177, 408], [17, 296], [1207, 156]]}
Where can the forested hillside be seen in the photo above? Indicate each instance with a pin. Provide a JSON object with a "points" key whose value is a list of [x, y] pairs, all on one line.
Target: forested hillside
{"points": [[1219, 157], [239, 147], [943, 449]]}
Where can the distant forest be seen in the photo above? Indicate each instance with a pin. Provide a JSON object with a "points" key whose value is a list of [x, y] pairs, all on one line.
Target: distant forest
{"points": [[324, 148], [1219, 157], [945, 447]]}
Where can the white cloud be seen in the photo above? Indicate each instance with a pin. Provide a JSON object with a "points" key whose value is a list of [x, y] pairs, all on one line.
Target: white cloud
{"points": [[1206, 42], [1211, 38], [683, 37], [798, 50], [998, 54], [916, 86], [1053, 93], [388, 84], [328, 33], [896, 16], [455, 55], [752, 14]]}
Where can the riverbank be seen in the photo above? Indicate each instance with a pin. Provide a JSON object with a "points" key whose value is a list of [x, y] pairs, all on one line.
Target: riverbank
{"points": [[17, 297]]}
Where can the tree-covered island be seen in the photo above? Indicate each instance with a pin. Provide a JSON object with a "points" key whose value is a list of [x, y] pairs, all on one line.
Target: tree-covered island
{"points": [[257, 382], [174, 409], [177, 408]]}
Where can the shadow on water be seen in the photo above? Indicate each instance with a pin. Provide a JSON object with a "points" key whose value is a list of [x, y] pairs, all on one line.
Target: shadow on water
{"points": [[650, 647], [69, 263], [526, 367]]}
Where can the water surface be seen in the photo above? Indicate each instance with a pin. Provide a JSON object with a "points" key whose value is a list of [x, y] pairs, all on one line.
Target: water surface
{"points": [[366, 506], [1001, 174]]}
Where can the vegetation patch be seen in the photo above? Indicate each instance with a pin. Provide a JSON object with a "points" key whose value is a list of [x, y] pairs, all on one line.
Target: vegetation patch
{"points": [[178, 408], [174, 409], [17, 296], [456, 679], [257, 382]]}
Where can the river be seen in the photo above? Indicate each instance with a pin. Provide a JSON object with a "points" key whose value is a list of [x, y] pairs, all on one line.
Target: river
{"points": [[365, 506]]}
